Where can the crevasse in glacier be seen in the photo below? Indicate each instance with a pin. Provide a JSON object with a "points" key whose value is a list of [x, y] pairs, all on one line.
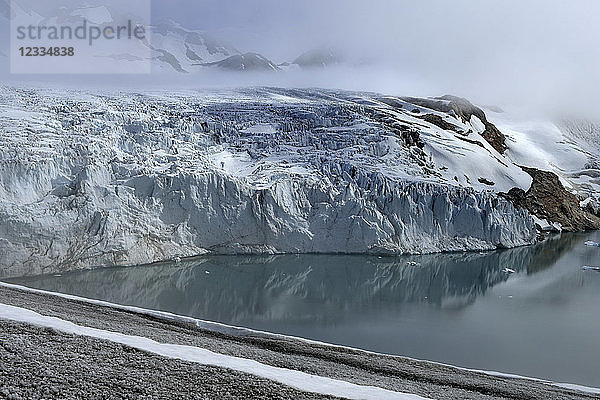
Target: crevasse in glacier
{"points": [[89, 179]]}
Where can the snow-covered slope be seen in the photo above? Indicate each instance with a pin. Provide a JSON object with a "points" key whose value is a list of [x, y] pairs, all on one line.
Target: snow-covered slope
{"points": [[123, 178], [570, 148], [565, 148]]}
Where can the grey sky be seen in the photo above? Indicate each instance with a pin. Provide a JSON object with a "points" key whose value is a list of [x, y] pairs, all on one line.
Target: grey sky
{"points": [[541, 49], [497, 51]]}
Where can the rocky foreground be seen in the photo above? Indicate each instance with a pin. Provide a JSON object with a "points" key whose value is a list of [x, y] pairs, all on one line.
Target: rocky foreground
{"points": [[37, 362]]}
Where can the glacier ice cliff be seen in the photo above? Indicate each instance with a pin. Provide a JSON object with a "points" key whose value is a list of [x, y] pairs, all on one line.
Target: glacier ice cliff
{"points": [[109, 178]]}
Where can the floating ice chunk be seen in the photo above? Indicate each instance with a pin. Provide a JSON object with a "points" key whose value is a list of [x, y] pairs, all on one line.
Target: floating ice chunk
{"points": [[590, 268]]}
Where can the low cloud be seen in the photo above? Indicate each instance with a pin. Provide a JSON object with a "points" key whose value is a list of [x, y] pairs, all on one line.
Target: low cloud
{"points": [[535, 54]]}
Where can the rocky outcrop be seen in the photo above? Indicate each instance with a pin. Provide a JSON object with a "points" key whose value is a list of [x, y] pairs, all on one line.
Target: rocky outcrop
{"points": [[439, 122], [463, 109], [548, 199], [593, 207]]}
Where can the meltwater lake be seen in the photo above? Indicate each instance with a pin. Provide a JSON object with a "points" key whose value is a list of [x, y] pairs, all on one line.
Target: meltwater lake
{"points": [[466, 309]]}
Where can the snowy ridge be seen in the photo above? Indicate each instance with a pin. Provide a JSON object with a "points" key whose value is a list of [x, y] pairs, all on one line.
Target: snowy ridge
{"points": [[569, 148], [129, 178]]}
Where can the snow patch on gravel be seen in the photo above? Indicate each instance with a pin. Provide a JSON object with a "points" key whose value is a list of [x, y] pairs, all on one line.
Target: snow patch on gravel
{"points": [[295, 379]]}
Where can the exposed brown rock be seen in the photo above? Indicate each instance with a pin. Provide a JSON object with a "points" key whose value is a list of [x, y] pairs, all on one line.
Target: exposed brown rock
{"points": [[494, 137], [593, 208], [439, 122], [548, 199], [486, 182]]}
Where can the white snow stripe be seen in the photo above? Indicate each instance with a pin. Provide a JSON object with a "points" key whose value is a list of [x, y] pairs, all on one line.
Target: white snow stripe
{"points": [[569, 386], [585, 389], [296, 379]]}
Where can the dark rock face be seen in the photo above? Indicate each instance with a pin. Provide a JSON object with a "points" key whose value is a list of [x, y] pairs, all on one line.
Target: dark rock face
{"points": [[439, 122], [486, 182], [548, 199], [593, 208], [465, 110]]}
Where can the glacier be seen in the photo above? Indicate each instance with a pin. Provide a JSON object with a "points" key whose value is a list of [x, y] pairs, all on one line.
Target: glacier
{"points": [[110, 178]]}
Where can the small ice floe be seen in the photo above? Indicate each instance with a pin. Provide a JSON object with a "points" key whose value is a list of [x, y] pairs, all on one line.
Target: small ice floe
{"points": [[508, 271], [207, 272], [591, 243], [590, 268], [177, 260]]}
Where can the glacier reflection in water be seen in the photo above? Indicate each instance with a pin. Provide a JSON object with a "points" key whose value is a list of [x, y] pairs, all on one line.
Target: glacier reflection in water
{"points": [[459, 308]]}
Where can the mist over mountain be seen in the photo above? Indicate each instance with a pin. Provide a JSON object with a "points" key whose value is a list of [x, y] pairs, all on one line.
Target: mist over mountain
{"points": [[503, 52], [533, 56]]}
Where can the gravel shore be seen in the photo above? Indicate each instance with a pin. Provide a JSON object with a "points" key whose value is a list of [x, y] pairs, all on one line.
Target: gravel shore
{"points": [[40, 363]]}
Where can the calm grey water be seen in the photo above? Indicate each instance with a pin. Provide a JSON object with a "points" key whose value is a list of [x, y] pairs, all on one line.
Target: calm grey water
{"points": [[542, 321]]}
